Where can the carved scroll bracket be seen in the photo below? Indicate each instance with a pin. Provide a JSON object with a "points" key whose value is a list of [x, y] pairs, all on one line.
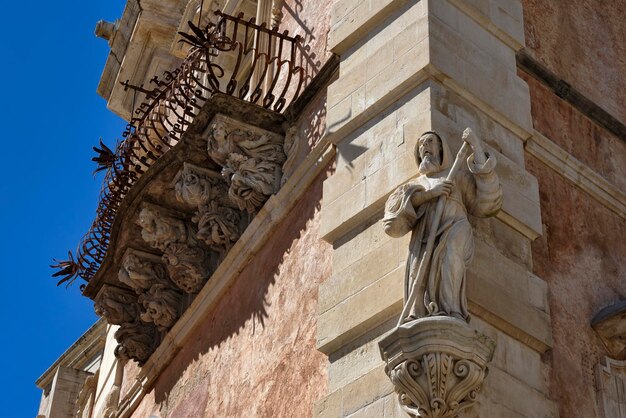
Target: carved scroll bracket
{"points": [[436, 364]]}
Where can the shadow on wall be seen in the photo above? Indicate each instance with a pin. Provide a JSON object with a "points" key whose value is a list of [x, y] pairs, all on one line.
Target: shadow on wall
{"points": [[266, 318]]}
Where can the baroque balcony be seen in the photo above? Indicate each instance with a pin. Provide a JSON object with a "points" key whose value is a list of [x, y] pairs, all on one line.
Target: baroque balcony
{"points": [[206, 147]]}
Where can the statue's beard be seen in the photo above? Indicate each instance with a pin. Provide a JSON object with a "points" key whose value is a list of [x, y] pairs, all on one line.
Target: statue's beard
{"points": [[430, 164]]}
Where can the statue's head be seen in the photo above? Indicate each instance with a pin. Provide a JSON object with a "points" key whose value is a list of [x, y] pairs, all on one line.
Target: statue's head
{"points": [[429, 153]]}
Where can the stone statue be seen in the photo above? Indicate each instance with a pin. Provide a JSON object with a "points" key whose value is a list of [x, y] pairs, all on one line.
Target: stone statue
{"points": [[435, 282]]}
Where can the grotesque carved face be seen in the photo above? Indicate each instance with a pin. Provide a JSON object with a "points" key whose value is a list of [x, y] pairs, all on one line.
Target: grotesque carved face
{"points": [[429, 151], [252, 181], [158, 230], [192, 187]]}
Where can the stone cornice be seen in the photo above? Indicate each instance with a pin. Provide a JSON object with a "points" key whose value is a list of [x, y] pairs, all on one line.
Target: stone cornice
{"points": [[587, 180], [83, 349]]}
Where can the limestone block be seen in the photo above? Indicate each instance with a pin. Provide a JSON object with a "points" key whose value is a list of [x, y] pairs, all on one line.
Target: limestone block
{"points": [[366, 390], [373, 410], [470, 70], [514, 357], [351, 21], [451, 114], [498, 293], [500, 387], [358, 358], [360, 274], [360, 312], [492, 274], [503, 18], [329, 407]]}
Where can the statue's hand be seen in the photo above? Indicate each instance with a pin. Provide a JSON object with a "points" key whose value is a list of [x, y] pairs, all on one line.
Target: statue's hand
{"points": [[442, 189], [470, 137]]}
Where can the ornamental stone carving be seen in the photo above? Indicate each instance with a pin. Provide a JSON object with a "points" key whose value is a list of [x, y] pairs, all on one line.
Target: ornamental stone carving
{"points": [[434, 207], [219, 222], [159, 302], [116, 305], [219, 226], [196, 185], [136, 341], [291, 147], [187, 263], [434, 359], [436, 364], [251, 160], [251, 180], [160, 231], [140, 271], [161, 306]]}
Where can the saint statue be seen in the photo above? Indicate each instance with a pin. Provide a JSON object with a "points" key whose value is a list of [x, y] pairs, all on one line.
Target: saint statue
{"points": [[442, 243]]}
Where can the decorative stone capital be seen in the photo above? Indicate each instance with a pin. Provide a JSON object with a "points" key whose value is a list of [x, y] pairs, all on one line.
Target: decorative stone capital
{"points": [[436, 364]]}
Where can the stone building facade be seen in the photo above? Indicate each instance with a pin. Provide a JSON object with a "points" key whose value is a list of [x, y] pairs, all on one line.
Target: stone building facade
{"points": [[246, 270]]}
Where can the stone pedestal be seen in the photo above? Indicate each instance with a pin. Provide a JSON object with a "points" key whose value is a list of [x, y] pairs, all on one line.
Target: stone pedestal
{"points": [[436, 364]]}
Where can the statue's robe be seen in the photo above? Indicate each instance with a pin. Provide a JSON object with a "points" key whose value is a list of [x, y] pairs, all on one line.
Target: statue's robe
{"points": [[477, 191]]}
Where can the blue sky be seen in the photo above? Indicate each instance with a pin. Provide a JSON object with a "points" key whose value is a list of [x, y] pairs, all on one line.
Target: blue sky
{"points": [[51, 116]]}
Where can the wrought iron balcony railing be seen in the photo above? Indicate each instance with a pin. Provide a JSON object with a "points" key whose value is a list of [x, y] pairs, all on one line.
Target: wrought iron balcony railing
{"points": [[234, 56]]}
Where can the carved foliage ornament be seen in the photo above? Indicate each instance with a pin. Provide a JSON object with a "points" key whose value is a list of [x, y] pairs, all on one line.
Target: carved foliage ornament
{"points": [[436, 365], [437, 385]]}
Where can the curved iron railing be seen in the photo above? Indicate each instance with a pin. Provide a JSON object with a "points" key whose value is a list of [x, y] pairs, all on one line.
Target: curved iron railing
{"points": [[264, 71]]}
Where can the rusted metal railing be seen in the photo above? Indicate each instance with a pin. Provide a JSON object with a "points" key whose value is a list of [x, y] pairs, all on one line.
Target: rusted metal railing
{"points": [[234, 56]]}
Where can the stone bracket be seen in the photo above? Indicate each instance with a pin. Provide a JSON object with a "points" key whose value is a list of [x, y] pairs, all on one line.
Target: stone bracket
{"points": [[436, 364]]}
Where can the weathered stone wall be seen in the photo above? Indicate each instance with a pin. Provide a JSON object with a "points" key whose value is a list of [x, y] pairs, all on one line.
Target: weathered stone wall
{"points": [[581, 256], [583, 42], [581, 251], [255, 354]]}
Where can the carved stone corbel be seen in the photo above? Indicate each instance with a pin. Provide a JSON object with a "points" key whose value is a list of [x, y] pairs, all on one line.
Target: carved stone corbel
{"points": [[251, 159], [136, 341], [436, 364], [197, 186], [160, 303], [116, 305], [187, 263], [159, 230], [140, 271], [219, 222]]}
